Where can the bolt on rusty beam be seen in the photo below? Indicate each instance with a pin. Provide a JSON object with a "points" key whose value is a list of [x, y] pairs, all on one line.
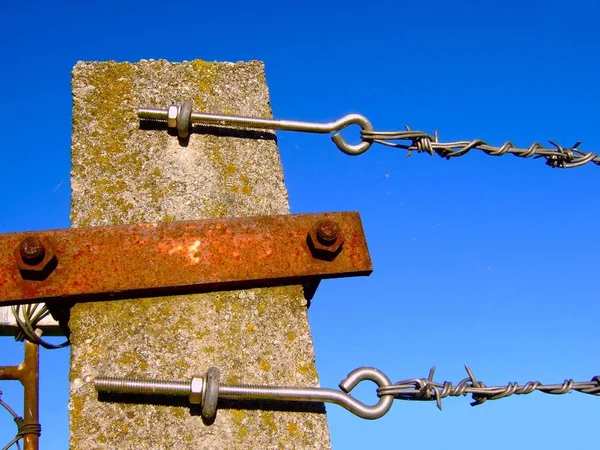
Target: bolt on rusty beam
{"points": [[103, 263], [28, 374], [32, 251]]}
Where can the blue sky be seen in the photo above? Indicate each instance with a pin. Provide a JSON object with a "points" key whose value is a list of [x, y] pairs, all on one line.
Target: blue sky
{"points": [[490, 262]]}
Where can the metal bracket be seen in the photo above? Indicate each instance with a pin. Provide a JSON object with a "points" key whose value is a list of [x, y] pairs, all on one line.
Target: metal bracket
{"points": [[143, 260]]}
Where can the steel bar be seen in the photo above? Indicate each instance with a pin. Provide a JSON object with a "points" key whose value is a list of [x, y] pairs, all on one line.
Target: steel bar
{"points": [[28, 374], [103, 263]]}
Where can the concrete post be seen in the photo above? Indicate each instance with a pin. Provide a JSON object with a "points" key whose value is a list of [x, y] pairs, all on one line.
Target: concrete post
{"points": [[123, 174]]}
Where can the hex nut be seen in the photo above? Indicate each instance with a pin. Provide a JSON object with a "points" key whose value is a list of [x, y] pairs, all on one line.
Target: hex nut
{"points": [[196, 390], [41, 270], [320, 250], [172, 112]]}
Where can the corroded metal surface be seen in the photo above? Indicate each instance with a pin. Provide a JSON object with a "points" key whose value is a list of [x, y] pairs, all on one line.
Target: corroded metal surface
{"points": [[102, 263], [28, 374]]}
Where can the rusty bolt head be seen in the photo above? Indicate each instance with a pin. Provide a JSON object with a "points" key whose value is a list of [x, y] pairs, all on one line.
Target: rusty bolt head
{"points": [[35, 258], [32, 251], [325, 240], [327, 232]]}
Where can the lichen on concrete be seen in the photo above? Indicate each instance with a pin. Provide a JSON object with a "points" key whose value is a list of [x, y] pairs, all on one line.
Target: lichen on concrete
{"points": [[124, 173]]}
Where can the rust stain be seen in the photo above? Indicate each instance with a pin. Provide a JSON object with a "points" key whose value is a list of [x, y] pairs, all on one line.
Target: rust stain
{"points": [[175, 257]]}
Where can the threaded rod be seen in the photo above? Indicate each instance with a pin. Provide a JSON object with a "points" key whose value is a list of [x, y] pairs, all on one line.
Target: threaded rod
{"points": [[142, 386]]}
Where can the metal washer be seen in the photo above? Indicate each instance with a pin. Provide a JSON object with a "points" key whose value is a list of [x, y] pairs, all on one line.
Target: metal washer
{"points": [[211, 393], [184, 120]]}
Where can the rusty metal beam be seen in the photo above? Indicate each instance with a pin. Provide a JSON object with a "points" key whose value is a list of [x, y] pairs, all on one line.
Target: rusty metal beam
{"points": [[104, 263]]}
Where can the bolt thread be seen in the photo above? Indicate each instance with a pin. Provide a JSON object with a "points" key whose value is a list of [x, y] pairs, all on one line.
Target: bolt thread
{"points": [[142, 386], [152, 114]]}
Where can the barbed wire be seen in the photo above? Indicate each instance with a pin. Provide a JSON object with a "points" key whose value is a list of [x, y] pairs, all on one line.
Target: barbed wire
{"points": [[420, 141], [425, 389]]}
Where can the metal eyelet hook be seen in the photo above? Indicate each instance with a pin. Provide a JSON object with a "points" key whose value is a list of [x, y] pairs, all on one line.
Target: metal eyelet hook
{"points": [[358, 408], [207, 390], [182, 117], [340, 142]]}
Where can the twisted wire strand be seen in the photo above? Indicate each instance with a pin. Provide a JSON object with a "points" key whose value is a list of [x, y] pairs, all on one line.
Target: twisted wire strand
{"points": [[27, 318], [425, 389], [16, 417], [420, 141], [23, 429]]}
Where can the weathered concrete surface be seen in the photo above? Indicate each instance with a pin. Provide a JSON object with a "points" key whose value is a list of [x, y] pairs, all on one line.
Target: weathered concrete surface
{"points": [[124, 174]]}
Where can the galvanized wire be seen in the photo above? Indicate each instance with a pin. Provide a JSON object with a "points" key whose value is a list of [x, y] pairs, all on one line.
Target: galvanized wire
{"points": [[425, 389], [420, 141], [18, 419]]}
